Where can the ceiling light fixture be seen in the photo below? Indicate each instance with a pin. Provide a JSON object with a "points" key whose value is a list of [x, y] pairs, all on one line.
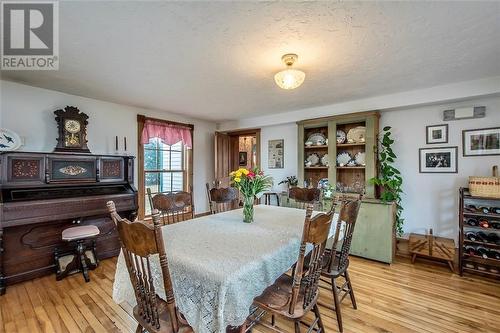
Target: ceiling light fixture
{"points": [[289, 78]]}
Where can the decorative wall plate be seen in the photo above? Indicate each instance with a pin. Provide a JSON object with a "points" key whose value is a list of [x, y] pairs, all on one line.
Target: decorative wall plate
{"points": [[341, 137], [357, 134], [313, 159], [323, 183], [324, 160], [343, 158], [359, 158], [9, 140], [351, 163], [317, 139]]}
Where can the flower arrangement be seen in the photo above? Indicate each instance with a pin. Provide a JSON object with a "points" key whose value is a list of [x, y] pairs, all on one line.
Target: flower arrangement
{"points": [[251, 183], [290, 181]]}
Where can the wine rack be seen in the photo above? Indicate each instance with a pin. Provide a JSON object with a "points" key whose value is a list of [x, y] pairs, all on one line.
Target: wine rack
{"points": [[479, 238]]}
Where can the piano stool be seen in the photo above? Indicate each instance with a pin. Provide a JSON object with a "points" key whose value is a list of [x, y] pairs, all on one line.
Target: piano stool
{"points": [[82, 258]]}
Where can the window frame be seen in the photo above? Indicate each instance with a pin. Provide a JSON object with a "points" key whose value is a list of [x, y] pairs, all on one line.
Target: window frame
{"points": [[186, 156]]}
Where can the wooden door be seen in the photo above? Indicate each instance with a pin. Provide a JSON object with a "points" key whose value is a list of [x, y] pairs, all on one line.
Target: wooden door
{"points": [[222, 158]]}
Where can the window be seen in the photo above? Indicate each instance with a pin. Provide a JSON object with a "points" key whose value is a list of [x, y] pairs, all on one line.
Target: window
{"points": [[162, 167]]}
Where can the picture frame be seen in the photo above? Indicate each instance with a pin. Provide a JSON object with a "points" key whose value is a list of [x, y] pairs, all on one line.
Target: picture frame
{"points": [[243, 158], [481, 142], [275, 154], [438, 160], [436, 134]]}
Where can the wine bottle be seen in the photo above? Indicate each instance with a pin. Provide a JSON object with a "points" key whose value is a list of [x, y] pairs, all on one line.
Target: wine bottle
{"points": [[471, 250], [494, 254], [482, 252], [495, 210], [482, 237], [493, 238], [471, 236], [484, 223], [471, 208], [495, 225], [484, 209], [472, 222]]}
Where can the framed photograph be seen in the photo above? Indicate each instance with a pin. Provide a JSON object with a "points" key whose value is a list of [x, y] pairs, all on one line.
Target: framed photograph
{"points": [[481, 142], [243, 158], [438, 160], [436, 134], [275, 156]]}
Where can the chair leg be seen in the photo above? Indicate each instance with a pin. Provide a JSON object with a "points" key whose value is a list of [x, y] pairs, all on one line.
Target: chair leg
{"points": [[297, 326], [351, 291], [335, 292], [80, 249], [138, 329], [320, 322]]}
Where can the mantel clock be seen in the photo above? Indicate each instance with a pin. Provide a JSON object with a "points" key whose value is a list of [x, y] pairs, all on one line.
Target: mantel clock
{"points": [[72, 127]]}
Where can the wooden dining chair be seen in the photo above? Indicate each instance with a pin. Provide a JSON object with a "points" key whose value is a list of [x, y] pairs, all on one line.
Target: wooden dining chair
{"points": [[139, 241], [173, 207], [222, 199], [293, 297], [304, 196], [336, 260]]}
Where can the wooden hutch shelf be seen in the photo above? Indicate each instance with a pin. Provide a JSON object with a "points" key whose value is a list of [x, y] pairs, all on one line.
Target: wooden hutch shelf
{"points": [[477, 256], [348, 176]]}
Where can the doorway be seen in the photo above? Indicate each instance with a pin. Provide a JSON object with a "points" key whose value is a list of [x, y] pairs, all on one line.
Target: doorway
{"points": [[233, 150]]}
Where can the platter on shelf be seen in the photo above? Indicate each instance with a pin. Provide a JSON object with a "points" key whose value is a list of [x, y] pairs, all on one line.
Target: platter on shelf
{"points": [[356, 135], [343, 158], [341, 136], [312, 159], [359, 158], [316, 139], [324, 160]]}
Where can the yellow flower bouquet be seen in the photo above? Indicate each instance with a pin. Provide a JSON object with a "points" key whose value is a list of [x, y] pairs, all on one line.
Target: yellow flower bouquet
{"points": [[251, 183]]}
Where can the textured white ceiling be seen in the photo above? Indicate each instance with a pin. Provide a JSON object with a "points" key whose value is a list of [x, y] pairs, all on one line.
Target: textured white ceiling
{"points": [[216, 60]]}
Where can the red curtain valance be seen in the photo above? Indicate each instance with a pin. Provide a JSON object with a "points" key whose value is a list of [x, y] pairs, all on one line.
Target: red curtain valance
{"points": [[168, 133]]}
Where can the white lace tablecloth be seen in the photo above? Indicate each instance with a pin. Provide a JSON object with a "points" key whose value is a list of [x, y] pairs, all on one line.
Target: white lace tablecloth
{"points": [[219, 264]]}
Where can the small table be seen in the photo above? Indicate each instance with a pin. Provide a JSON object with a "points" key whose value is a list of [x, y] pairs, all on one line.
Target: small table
{"points": [[218, 264], [432, 247]]}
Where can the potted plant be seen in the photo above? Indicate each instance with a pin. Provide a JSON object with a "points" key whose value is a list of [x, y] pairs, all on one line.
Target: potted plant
{"points": [[251, 183], [290, 181], [389, 181]]}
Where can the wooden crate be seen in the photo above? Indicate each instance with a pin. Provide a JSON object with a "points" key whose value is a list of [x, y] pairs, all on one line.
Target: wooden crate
{"points": [[432, 247]]}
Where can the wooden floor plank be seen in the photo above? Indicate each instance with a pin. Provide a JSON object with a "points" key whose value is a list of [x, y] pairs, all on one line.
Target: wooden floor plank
{"points": [[397, 298]]}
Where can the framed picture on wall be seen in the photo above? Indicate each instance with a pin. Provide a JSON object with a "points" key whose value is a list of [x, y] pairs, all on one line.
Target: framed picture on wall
{"points": [[438, 160], [275, 156], [243, 158], [436, 134], [481, 142]]}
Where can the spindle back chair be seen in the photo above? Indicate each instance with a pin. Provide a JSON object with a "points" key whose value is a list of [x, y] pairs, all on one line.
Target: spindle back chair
{"points": [[337, 257], [140, 241], [300, 290], [173, 207], [222, 199], [304, 196]]}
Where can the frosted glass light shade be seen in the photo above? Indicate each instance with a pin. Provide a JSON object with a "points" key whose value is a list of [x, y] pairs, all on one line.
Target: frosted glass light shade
{"points": [[289, 78]]}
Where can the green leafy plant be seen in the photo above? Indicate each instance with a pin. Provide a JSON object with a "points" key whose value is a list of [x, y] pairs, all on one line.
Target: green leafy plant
{"points": [[389, 178], [290, 180]]}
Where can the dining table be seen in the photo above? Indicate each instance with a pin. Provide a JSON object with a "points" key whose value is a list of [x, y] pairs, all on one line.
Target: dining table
{"points": [[219, 264]]}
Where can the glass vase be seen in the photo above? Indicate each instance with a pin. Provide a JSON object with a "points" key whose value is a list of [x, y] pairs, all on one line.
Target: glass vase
{"points": [[248, 209]]}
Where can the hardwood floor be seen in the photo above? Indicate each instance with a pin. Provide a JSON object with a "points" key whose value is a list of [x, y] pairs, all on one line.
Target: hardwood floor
{"points": [[398, 298]]}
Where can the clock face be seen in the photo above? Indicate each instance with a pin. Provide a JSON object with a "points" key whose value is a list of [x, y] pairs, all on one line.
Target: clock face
{"points": [[72, 126]]}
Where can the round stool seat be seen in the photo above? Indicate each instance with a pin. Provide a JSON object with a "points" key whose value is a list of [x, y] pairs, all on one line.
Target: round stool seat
{"points": [[80, 232]]}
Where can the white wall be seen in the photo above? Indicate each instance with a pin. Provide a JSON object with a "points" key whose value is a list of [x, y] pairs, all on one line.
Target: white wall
{"points": [[288, 132], [28, 111], [430, 200]]}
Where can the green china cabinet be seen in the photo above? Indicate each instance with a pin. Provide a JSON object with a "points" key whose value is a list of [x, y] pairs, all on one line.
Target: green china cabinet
{"points": [[374, 236]]}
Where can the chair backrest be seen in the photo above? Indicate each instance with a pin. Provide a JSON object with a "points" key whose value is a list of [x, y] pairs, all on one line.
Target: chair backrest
{"points": [[304, 196], [348, 214], [221, 199], [140, 240], [315, 233], [173, 207]]}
